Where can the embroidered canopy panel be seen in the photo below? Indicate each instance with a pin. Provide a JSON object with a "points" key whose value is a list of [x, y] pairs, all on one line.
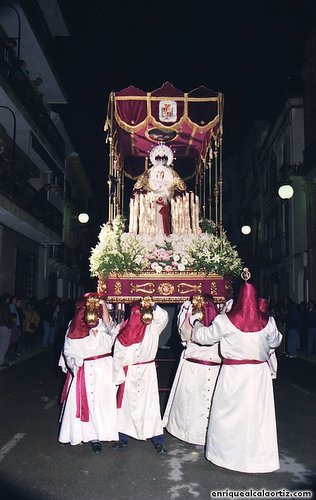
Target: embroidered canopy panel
{"points": [[190, 123]]}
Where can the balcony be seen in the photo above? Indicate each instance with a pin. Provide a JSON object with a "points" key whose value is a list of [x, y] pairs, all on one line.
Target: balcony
{"points": [[16, 189], [21, 86]]}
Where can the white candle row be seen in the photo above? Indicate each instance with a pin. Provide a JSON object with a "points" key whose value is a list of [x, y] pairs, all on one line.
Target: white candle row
{"points": [[144, 217], [185, 214]]}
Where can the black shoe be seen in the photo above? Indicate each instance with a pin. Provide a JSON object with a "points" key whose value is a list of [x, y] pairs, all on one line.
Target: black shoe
{"points": [[5, 365], [159, 448], [119, 444], [96, 446]]}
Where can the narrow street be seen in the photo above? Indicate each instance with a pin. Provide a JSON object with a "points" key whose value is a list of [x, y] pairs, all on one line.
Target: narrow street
{"points": [[34, 466]]}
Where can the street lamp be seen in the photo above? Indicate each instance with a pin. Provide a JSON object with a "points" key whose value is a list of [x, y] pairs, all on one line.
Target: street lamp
{"points": [[287, 171], [245, 229], [285, 192], [83, 218]]}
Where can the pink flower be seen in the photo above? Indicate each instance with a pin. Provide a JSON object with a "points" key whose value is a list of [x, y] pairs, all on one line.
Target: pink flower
{"points": [[169, 269]]}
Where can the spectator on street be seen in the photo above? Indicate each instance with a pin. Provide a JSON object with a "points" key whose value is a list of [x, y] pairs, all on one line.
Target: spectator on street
{"points": [[30, 325], [5, 328], [292, 319], [311, 328], [36, 85], [16, 333], [47, 311]]}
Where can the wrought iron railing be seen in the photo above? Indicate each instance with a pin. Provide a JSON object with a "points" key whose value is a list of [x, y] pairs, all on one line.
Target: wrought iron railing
{"points": [[19, 191], [21, 85]]}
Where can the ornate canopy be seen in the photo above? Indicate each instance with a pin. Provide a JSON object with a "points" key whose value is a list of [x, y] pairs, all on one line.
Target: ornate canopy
{"points": [[190, 123], [138, 120]]}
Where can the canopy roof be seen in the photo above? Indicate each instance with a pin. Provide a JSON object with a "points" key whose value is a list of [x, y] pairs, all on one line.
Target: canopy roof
{"points": [[187, 122]]}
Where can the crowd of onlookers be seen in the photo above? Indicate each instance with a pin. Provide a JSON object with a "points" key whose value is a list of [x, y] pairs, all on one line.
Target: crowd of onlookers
{"points": [[28, 323], [298, 324]]}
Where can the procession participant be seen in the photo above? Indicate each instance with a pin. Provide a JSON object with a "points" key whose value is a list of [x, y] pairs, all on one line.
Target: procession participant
{"points": [[89, 395], [188, 408], [242, 428], [134, 366], [263, 305]]}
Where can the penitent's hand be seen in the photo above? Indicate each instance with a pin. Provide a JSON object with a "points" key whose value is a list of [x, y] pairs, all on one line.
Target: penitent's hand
{"points": [[194, 318], [105, 312]]}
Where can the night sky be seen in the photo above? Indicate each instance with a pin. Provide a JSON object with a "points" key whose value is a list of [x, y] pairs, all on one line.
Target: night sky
{"points": [[250, 50]]}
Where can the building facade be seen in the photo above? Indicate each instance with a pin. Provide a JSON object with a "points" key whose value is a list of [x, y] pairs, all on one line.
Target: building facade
{"points": [[309, 76], [281, 248], [37, 255], [277, 248]]}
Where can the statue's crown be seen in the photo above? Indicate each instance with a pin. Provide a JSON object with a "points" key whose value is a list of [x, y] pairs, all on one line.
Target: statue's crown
{"points": [[161, 152]]}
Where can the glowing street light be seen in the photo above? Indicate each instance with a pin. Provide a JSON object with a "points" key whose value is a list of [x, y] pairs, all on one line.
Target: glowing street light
{"points": [[245, 229], [286, 192], [83, 218]]}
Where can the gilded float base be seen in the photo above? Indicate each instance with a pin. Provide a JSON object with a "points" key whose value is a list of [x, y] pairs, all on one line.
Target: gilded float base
{"points": [[167, 288]]}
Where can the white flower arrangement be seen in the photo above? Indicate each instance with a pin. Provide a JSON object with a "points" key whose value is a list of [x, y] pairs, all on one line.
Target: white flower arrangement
{"points": [[119, 252]]}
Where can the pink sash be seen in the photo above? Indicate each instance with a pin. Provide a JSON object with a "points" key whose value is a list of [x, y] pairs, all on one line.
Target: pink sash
{"points": [[81, 392], [227, 361], [202, 362]]}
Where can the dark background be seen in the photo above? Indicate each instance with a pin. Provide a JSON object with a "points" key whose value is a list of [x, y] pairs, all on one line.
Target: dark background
{"points": [[250, 50]]}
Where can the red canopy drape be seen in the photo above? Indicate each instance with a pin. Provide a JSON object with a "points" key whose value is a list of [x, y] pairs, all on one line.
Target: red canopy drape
{"points": [[139, 120]]}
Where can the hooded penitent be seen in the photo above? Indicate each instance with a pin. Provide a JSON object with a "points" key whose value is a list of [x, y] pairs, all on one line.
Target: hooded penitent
{"points": [[78, 327], [210, 310], [132, 331], [246, 315]]}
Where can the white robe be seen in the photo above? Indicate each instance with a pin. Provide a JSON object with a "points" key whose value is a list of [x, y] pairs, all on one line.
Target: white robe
{"points": [[188, 408], [139, 416], [242, 428], [101, 390]]}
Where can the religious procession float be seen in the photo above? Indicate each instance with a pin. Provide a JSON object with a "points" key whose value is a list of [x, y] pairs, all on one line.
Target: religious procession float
{"points": [[164, 237]]}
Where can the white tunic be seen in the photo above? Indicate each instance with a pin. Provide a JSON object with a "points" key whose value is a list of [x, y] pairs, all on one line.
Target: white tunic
{"points": [[242, 429], [139, 416], [100, 388], [188, 408]]}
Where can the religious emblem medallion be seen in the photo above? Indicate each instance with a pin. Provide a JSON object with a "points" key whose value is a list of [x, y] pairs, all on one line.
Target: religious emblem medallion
{"points": [[168, 111]]}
